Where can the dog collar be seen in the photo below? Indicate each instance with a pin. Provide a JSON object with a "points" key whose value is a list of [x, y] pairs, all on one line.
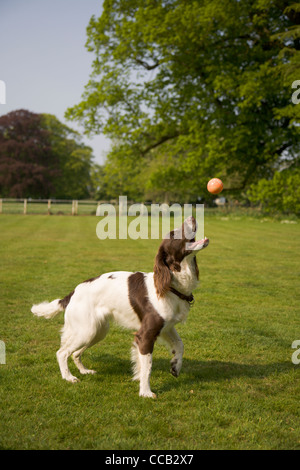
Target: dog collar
{"points": [[189, 298]]}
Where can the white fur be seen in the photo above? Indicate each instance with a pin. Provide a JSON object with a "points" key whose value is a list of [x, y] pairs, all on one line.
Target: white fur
{"points": [[47, 309]]}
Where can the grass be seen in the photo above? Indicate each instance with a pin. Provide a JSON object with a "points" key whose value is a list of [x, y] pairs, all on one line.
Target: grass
{"points": [[238, 388]]}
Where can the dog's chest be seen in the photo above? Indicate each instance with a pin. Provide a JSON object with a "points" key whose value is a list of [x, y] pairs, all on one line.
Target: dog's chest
{"points": [[185, 280], [182, 312], [175, 310]]}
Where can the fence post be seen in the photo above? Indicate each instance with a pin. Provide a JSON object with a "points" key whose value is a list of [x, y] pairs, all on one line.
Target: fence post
{"points": [[74, 207], [0, 206], [49, 206], [25, 206]]}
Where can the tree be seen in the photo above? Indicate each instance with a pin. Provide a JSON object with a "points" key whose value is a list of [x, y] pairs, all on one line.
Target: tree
{"points": [[27, 166], [199, 88], [74, 158], [40, 157], [280, 194]]}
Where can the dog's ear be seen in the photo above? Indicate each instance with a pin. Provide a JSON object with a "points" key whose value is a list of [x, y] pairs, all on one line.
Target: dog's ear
{"points": [[196, 268], [162, 274]]}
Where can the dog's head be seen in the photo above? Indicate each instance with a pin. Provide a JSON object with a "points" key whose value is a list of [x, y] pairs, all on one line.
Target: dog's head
{"points": [[178, 245]]}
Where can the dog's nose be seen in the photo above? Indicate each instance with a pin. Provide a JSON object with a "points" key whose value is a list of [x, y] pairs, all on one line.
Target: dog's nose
{"points": [[191, 219]]}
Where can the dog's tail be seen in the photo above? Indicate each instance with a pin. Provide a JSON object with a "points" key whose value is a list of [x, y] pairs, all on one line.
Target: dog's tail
{"points": [[51, 309]]}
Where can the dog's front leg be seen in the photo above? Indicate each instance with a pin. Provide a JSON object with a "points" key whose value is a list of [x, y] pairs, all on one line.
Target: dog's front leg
{"points": [[173, 341], [145, 372], [145, 338]]}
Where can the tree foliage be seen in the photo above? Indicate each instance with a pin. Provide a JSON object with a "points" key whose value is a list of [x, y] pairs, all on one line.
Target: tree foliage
{"points": [[192, 90], [27, 166], [280, 194], [40, 157]]}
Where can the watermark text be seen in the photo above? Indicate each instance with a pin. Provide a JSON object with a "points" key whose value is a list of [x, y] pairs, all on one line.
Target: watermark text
{"points": [[2, 353], [296, 354], [138, 221], [296, 94], [2, 92]]}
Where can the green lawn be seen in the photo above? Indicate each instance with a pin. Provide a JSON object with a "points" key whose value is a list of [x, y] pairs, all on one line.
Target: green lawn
{"points": [[238, 388]]}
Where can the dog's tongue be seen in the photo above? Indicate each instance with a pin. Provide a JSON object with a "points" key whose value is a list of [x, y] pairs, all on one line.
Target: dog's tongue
{"points": [[195, 244], [201, 242]]}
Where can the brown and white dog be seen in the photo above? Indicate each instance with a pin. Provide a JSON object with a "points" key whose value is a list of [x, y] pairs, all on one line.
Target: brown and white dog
{"points": [[150, 303]]}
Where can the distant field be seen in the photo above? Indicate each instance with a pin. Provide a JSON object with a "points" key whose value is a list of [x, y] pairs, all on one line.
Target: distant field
{"points": [[238, 388]]}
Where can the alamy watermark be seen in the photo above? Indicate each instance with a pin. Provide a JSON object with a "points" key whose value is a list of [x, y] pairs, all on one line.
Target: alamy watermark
{"points": [[139, 221], [296, 94], [2, 353], [295, 358], [2, 92]]}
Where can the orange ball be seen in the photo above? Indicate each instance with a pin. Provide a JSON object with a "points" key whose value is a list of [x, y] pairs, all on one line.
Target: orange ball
{"points": [[215, 186]]}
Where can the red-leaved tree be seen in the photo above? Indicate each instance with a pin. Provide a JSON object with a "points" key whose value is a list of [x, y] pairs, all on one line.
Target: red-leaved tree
{"points": [[40, 158], [28, 165]]}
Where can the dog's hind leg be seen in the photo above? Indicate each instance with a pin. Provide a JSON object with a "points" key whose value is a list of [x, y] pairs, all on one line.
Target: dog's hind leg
{"points": [[70, 342], [77, 361], [63, 355], [100, 334]]}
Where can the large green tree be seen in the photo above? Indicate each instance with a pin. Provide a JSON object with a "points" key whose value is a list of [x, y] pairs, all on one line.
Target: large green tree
{"points": [[189, 90], [75, 160]]}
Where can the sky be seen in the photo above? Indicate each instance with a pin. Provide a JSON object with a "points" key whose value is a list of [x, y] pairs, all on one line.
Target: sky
{"points": [[43, 59]]}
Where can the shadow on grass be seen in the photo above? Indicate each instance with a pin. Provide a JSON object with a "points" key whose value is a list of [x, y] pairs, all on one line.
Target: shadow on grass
{"points": [[193, 370], [219, 371]]}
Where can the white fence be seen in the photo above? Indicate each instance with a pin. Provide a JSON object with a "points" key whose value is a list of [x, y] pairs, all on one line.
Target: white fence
{"points": [[48, 206], [72, 207]]}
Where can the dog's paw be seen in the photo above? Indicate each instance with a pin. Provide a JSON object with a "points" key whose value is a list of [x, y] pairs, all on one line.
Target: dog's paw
{"points": [[88, 371], [175, 367], [72, 379], [148, 394]]}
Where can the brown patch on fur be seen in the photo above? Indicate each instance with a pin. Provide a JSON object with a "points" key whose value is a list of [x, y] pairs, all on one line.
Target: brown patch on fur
{"points": [[65, 301], [137, 292], [111, 277], [162, 274], [151, 321], [91, 279], [149, 331], [196, 267]]}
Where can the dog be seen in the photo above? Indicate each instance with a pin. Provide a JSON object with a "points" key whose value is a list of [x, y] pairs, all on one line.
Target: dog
{"points": [[149, 303]]}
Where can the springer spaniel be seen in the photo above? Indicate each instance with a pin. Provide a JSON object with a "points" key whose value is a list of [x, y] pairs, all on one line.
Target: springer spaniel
{"points": [[151, 303]]}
